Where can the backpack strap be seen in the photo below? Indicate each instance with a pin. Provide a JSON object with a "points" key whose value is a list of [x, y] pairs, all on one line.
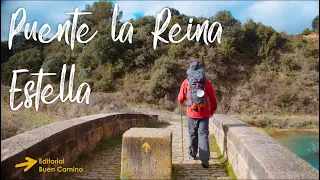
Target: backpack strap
{"points": [[188, 89]]}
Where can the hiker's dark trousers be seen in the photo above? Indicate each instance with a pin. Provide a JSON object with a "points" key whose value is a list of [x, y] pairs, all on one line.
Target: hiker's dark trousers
{"points": [[198, 133]]}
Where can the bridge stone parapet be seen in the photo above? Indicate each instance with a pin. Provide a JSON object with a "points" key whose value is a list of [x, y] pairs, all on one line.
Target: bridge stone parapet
{"points": [[63, 140], [253, 154]]}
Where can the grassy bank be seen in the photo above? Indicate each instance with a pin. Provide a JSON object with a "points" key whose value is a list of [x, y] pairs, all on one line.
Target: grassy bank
{"points": [[15, 122], [272, 131], [273, 124], [281, 121]]}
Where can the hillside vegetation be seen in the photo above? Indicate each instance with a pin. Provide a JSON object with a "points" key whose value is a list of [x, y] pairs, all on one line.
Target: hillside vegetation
{"points": [[254, 70]]}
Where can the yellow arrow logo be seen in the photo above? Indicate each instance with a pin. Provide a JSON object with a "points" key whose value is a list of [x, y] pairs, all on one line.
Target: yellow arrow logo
{"points": [[30, 162], [146, 145]]}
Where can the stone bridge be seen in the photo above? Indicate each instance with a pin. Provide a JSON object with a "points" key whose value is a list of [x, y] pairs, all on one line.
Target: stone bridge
{"points": [[91, 146]]}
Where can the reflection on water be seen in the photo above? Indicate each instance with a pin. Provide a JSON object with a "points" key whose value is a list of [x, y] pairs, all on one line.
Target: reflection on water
{"points": [[304, 144], [314, 148]]}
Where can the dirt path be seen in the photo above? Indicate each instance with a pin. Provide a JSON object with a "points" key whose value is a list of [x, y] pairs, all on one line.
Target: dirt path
{"points": [[163, 115]]}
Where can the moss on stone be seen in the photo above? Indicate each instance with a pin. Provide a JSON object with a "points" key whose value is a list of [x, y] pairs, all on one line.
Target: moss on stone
{"points": [[215, 148]]}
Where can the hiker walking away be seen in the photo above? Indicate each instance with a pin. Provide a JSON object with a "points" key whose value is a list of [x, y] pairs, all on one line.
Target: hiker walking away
{"points": [[201, 104]]}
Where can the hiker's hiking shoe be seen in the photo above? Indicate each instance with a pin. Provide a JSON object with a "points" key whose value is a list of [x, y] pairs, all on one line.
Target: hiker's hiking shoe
{"points": [[205, 164], [193, 157]]}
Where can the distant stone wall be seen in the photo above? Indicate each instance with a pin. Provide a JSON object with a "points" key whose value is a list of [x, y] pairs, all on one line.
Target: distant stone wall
{"points": [[253, 154], [64, 139]]}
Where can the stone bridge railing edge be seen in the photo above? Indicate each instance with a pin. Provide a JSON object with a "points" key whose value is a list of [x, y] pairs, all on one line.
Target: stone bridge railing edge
{"points": [[253, 154], [63, 139]]}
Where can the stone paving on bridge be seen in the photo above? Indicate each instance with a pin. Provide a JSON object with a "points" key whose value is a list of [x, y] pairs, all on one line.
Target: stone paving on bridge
{"points": [[107, 164]]}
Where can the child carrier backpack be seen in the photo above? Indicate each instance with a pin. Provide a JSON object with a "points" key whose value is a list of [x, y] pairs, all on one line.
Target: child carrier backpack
{"points": [[196, 95]]}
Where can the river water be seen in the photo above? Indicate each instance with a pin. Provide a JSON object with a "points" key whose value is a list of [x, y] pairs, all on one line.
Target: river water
{"points": [[303, 143]]}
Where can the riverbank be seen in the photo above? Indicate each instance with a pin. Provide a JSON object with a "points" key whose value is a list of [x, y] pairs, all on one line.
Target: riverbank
{"points": [[272, 131], [281, 124], [276, 123]]}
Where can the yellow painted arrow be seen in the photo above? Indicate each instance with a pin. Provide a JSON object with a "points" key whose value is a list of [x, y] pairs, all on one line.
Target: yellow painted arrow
{"points": [[30, 162], [146, 145]]}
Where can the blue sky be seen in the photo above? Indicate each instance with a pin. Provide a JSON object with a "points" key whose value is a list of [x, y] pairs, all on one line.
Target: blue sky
{"points": [[289, 16]]}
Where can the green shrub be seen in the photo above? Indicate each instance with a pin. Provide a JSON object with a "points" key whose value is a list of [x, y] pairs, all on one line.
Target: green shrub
{"points": [[175, 50], [140, 60], [313, 63], [289, 63], [54, 64], [30, 59], [163, 80], [160, 83], [315, 24], [286, 98], [306, 32], [308, 50], [104, 79], [250, 69]]}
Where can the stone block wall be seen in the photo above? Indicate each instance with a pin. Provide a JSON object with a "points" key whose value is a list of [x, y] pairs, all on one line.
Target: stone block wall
{"points": [[253, 154], [64, 139]]}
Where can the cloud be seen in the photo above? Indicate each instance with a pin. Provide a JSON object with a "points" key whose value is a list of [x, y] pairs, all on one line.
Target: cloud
{"points": [[289, 16], [191, 8], [50, 12]]}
